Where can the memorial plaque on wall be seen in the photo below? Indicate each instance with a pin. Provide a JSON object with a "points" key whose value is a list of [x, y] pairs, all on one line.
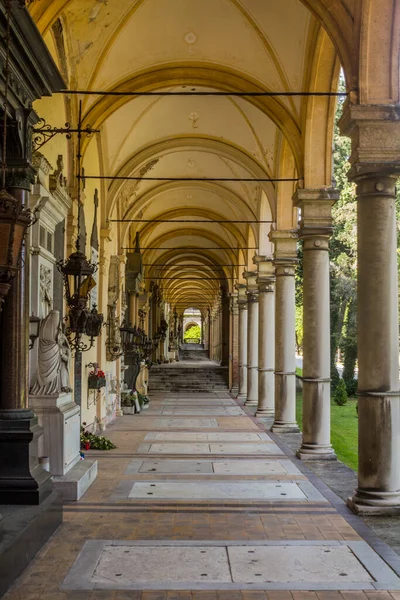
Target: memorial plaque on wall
{"points": [[78, 379]]}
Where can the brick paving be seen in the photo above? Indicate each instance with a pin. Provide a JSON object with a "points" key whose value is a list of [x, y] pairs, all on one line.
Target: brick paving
{"points": [[98, 517]]}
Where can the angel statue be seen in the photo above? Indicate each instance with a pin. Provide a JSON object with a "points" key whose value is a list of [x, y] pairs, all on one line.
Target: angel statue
{"points": [[54, 358]]}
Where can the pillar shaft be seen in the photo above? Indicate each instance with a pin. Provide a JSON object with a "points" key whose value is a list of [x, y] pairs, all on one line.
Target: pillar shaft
{"points": [[378, 347], [266, 351], [316, 228], [266, 337], [252, 340], [375, 135], [285, 259], [243, 328]]}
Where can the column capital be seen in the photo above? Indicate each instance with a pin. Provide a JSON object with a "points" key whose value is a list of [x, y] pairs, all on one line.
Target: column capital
{"points": [[375, 138], [251, 278], [242, 297], [266, 273], [316, 211], [285, 243]]}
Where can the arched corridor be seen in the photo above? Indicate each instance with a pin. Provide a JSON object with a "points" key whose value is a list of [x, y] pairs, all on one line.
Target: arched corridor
{"points": [[167, 165]]}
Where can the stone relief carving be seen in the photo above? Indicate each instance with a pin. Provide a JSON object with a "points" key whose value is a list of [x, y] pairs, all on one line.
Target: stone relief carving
{"points": [[46, 290], [54, 358]]}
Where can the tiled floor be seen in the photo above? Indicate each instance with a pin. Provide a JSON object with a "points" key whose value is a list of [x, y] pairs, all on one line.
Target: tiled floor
{"points": [[205, 519]]}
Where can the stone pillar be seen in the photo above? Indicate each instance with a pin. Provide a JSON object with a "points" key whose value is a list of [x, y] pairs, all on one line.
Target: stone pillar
{"points": [[252, 338], [225, 304], [243, 326], [266, 336], [234, 344], [22, 480], [315, 231], [375, 133], [285, 259]]}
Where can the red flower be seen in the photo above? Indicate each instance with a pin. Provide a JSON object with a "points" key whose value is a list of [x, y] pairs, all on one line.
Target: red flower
{"points": [[100, 374]]}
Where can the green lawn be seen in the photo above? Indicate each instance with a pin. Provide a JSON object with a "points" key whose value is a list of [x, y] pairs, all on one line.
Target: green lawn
{"points": [[344, 430]]}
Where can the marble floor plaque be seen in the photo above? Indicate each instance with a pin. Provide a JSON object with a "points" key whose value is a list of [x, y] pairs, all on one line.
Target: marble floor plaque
{"points": [[186, 423], [188, 436], [124, 564], [218, 490], [255, 467], [230, 448], [208, 467], [177, 466], [296, 564], [222, 565], [246, 448]]}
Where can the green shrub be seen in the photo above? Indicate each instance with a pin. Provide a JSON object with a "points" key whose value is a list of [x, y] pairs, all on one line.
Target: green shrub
{"points": [[340, 395]]}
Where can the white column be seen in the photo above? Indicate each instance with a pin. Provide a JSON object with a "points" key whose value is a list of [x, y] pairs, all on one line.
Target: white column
{"points": [[252, 339], [243, 327], [315, 230], [285, 259], [378, 347], [266, 336], [375, 133]]}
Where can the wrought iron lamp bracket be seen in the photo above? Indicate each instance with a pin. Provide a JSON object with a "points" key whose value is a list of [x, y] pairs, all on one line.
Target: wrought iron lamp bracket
{"points": [[44, 132]]}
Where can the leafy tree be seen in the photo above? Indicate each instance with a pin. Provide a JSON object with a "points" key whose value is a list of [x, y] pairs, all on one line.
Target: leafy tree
{"points": [[343, 253], [340, 395], [192, 333]]}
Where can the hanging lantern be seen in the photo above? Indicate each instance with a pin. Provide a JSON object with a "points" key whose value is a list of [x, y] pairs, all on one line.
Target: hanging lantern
{"points": [[14, 221], [77, 272], [94, 323]]}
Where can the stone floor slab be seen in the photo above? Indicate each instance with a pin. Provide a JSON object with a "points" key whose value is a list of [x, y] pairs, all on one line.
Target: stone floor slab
{"points": [[177, 466], [254, 449], [204, 448], [187, 412], [186, 423], [189, 436], [296, 564], [255, 467], [222, 565], [210, 490], [123, 565]]}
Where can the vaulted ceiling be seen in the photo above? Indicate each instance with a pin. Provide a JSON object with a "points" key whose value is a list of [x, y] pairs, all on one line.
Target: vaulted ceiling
{"points": [[185, 46]]}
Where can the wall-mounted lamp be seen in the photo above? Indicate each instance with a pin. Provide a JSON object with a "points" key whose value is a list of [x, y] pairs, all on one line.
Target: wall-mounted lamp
{"points": [[34, 326]]}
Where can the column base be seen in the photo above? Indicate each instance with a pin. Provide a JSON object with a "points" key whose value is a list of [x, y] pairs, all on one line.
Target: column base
{"points": [[314, 452], [22, 479], [375, 503], [282, 427], [251, 403], [265, 413]]}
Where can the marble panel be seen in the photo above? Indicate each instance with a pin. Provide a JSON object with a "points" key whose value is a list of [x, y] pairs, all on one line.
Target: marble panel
{"points": [[188, 436], [255, 467], [186, 423], [218, 490], [296, 564], [127, 564], [266, 448]]}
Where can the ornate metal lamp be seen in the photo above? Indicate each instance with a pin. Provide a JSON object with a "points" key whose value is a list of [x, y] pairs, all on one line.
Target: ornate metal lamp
{"points": [[14, 217], [77, 272], [34, 325]]}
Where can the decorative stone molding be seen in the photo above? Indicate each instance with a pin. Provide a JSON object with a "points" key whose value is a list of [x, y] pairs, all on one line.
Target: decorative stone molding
{"points": [[316, 212], [375, 138], [285, 244]]}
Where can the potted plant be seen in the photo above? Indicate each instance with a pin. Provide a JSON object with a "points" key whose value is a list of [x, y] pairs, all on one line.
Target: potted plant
{"points": [[96, 380], [143, 401], [128, 403], [93, 441]]}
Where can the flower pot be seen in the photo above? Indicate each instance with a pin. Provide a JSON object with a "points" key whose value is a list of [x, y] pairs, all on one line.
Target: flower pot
{"points": [[128, 410], [95, 383]]}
